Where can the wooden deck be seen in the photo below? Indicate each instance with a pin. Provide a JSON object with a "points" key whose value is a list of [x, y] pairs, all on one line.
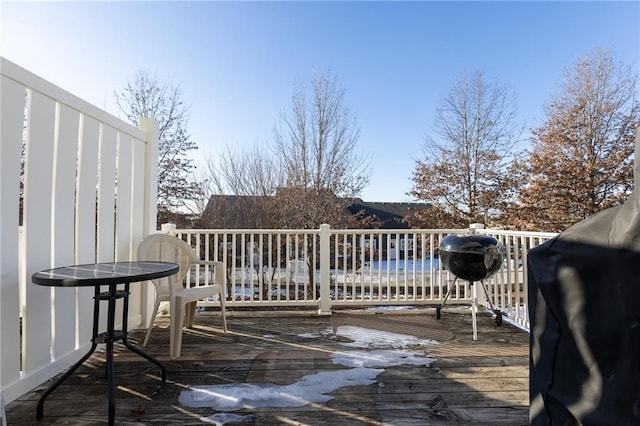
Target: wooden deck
{"points": [[483, 382]]}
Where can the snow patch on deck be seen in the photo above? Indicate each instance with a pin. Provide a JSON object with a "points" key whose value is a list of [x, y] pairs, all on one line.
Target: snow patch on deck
{"points": [[382, 350]]}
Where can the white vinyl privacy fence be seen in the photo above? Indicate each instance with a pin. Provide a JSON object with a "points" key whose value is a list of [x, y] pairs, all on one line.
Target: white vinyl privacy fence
{"points": [[77, 186]]}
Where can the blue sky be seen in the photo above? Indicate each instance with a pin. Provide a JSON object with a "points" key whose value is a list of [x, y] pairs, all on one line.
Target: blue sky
{"points": [[237, 62]]}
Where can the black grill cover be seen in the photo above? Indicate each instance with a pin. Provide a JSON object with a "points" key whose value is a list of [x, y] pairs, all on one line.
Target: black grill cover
{"points": [[471, 257], [584, 305]]}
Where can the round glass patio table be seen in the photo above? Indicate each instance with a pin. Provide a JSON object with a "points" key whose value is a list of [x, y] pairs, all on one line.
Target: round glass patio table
{"points": [[111, 274]]}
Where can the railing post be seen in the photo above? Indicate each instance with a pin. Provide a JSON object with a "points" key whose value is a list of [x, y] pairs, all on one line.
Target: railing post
{"points": [[167, 228], [150, 209], [474, 227], [325, 274], [150, 127]]}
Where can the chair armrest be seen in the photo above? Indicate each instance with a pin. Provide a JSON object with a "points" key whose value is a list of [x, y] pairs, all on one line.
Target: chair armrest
{"points": [[215, 263], [219, 272]]}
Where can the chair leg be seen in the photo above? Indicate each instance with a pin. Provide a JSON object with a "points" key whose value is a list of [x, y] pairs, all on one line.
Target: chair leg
{"points": [[151, 322], [222, 312], [190, 313], [177, 322]]}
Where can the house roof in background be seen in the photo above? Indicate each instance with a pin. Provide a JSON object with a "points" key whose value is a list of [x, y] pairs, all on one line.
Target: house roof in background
{"points": [[390, 214]]}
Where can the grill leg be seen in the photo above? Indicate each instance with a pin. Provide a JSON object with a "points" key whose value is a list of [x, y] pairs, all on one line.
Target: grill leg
{"points": [[474, 308], [439, 307], [497, 315]]}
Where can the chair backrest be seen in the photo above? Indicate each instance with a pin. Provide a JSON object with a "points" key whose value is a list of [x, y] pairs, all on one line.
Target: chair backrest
{"points": [[167, 248]]}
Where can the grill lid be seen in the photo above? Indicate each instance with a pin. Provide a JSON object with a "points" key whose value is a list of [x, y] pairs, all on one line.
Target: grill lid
{"points": [[471, 257]]}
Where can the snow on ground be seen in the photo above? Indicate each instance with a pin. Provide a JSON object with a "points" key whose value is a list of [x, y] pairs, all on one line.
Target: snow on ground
{"points": [[366, 338], [384, 350], [389, 308]]}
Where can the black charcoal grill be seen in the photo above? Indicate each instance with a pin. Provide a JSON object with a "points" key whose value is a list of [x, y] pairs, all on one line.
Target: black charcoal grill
{"points": [[471, 258]]}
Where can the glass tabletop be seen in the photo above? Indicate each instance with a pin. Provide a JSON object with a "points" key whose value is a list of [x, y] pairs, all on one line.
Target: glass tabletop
{"points": [[93, 274]]}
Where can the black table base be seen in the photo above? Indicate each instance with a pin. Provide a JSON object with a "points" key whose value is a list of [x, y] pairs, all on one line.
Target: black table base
{"points": [[109, 338]]}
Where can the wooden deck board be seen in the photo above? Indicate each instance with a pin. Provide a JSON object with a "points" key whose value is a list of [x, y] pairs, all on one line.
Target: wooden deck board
{"points": [[483, 382]]}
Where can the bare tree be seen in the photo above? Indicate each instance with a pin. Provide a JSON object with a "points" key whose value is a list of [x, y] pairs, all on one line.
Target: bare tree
{"points": [[307, 176], [582, 155], [146, 96], [316, 143], [247, 171], [464, 169], [242, 183]]}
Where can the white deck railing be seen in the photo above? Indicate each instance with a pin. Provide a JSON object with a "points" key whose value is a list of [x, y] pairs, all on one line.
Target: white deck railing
{"points": [[89, 196], [328, 267]]}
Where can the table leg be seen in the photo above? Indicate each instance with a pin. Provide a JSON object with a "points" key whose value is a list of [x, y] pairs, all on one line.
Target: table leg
{"points": [[111, 316], [74, 367], [125, 340], [109, 339]]}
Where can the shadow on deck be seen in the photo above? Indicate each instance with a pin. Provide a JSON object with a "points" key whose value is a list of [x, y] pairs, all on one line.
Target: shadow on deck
{"points": [[277, 360]]}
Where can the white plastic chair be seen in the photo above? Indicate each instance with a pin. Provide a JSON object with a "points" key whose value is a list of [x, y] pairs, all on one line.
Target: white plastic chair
{"points": [[182, 301]]}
